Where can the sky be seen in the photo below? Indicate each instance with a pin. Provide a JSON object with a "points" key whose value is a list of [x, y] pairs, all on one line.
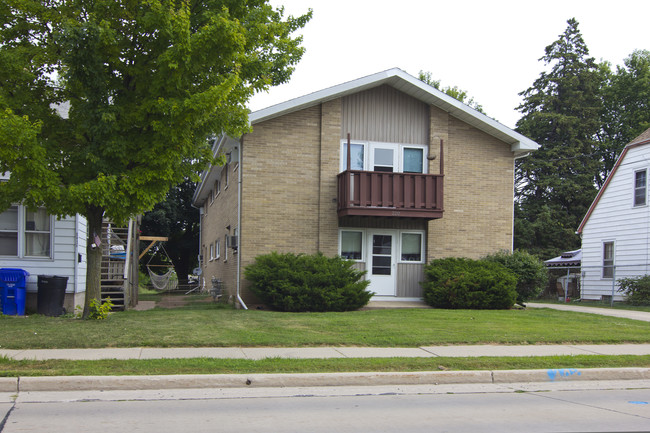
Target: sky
{"points": [[491, 49]]}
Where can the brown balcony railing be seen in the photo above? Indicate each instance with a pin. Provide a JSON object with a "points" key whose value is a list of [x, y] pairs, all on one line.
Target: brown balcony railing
{"points": [[405, 195]]}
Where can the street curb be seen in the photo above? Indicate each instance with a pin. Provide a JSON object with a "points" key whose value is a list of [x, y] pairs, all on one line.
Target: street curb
{"points": [[111, 383]]}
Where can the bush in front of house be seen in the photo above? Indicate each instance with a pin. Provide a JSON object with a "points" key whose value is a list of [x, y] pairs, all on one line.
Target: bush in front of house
{"points": [[300, 282], [461, 283], [636, 290], [532, 275]]}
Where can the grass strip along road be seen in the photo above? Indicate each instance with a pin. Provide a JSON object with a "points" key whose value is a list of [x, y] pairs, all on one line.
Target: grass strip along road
{"points": [[213, 325]]}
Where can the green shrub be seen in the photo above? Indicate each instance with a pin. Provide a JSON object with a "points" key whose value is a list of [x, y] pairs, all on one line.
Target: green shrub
{"points": [[636, 290], [532, 275], [457, 283], [290, 282]]}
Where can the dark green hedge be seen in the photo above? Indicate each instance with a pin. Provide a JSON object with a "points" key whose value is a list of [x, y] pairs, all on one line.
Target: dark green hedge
{"points": [[531, 273], [299, 282], [460, 283]]}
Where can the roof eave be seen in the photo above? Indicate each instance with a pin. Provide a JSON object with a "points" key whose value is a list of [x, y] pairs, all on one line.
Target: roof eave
{"points": [[412, 86]]}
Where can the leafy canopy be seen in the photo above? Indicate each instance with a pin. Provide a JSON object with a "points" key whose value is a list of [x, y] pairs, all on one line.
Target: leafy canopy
{"points": [[107, 104]]}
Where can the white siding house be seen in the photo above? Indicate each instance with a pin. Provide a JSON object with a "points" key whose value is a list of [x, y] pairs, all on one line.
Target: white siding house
{"points": [[42, 245], [616, 230]]}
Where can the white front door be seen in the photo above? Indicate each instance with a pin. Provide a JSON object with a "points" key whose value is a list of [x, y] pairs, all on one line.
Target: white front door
{"points": [[382, 248]]}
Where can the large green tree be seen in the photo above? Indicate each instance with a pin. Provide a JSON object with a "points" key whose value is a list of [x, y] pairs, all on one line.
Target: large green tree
{"points": [[107, 104], [562, 112], [626, 104], [453, 91]]}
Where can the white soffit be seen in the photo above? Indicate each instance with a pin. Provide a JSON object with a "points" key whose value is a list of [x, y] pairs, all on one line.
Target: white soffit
{"points": [[409, 85]]}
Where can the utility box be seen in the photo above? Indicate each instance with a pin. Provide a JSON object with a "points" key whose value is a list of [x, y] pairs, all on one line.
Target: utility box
{"points": [[13, 283]]}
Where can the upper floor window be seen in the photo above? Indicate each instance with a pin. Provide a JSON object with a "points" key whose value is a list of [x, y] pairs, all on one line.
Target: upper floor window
{"points": [[25, 233], [386, 157], [640, 187]]}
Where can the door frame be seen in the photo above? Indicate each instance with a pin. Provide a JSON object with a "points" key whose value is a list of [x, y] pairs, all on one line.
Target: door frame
{"points": [[382, 285]]}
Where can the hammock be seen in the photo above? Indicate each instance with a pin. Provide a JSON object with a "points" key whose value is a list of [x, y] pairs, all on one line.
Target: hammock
{"points": [[165, 282]]}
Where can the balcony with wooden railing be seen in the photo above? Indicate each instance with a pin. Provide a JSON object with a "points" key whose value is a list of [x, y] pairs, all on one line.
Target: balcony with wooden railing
{"points": [[403, 195]]}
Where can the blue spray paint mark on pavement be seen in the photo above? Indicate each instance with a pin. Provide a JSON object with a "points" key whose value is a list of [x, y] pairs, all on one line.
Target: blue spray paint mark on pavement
{"points": [[562, 372], [638, 402]]}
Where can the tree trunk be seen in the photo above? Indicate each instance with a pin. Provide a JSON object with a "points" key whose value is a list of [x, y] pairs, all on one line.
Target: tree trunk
{"points": [[94, 255]]}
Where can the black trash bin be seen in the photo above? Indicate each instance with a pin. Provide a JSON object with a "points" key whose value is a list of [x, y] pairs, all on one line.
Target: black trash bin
{"points": [[51, 293]]}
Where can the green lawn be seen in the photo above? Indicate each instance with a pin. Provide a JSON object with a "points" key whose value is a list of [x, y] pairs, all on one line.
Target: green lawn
{"points": [[112, 367], [207, 324]]}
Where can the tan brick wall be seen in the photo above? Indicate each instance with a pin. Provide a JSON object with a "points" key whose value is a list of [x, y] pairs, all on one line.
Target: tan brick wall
{"points": [[280, 204], [221, 213], [329, 156], [478, 187]]}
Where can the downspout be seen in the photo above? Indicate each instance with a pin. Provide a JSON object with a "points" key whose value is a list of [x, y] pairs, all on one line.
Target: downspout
{"points": [[514, 169], [239, 242]]}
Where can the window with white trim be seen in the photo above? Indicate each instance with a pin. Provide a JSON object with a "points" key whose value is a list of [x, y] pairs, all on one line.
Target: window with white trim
{"points": [[640, 187], [225, 250], [217, 249], [25, 233], [608, 259], [217, 187], [411, 247], [351, 244], [211, 252], [388, 157]]}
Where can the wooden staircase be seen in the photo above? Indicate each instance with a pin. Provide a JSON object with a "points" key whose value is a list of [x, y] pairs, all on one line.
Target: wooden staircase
{"points": [[114, 249]]}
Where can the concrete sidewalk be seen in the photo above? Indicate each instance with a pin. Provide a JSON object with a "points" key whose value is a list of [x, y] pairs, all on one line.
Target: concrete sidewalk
{"points": [[613, 312], [256, 353]]}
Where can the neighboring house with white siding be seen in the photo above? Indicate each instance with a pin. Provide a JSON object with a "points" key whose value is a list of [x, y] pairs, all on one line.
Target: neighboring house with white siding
{"points": [[43, 245], [616, 229]]}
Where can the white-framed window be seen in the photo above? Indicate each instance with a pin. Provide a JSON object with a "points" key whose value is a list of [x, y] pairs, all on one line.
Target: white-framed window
{"points": [[225, 250], [640, 187], [217, 249], [351, 244], [227, 177], [608, 259], [387, 157], [211, 252], [25, 233], [411, 247], [217, 187], [212, 196]]}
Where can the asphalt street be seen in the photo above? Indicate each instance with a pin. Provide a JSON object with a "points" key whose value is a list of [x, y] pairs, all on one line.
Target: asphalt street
{"points": [[532, 407]]}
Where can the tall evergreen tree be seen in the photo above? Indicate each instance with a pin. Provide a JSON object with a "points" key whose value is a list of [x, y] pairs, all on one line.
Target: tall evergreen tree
{"points": [[561, 111], [626, 104]]}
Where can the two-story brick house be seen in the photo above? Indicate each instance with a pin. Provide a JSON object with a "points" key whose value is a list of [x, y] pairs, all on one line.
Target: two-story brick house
{"points": [[428, 177]]}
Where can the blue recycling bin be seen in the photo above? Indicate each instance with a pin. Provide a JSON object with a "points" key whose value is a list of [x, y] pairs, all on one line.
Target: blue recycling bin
{"points": [[13, 283]]}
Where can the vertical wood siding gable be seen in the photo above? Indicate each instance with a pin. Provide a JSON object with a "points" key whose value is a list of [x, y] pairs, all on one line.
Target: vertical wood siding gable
{"points": [[386, 115]]}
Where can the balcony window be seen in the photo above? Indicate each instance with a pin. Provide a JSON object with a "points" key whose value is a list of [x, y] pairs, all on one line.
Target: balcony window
{"points": [[413, 160], [356, 156]]}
